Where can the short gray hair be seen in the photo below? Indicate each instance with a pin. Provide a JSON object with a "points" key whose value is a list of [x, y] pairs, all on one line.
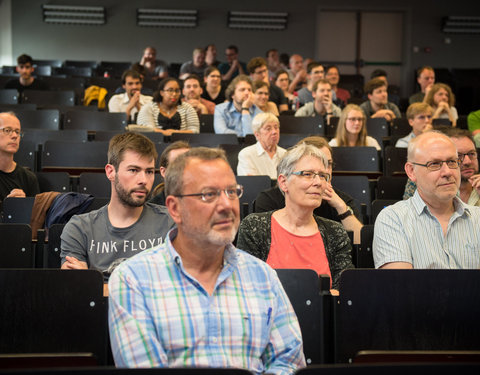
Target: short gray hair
{"points": [[261, 119], [174, 172], [294, 154]]}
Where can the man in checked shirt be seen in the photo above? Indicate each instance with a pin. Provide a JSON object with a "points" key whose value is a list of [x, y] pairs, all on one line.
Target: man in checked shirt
{"points": [[196, 300]]}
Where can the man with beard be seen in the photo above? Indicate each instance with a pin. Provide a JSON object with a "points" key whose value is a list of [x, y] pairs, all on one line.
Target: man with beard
{"points": [[192, 94], [103, 238], [377, 104], [434, 229], [197, 300]]}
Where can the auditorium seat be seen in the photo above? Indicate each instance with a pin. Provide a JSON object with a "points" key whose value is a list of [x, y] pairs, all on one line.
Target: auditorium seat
{"points": [[16, 250], [93, 120], [8, 96], [45, 98], [39, 119]]}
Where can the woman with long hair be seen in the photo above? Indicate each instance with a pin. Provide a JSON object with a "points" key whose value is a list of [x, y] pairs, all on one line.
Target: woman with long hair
{"points": [[441, 99]]}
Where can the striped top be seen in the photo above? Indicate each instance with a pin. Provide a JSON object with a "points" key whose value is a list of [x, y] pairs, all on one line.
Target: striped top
{"points": [[159, 315], [148, 116], [408, 232]]}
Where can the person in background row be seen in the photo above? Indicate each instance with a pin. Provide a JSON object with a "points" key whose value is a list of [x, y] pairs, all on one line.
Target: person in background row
{"points": [[196, 66], [352, 129], [282, 81], [15, 181], [26, 81], [273, 62], [377, 104], [235, 116], [315, 71], [419, 116], [192, 91], [131, 101], [440, 97], [332, 75], [382, 74], [263, 157], [296, 73], [262, 98], [233, 67], [214, 90], [425, 79], [166, 114], [155, 69], [224, 307], [168, 156], [293, 237], [211, 56]]}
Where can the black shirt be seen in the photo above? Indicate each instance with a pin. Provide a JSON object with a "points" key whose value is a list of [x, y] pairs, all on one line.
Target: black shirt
{"points": [[37, 84]]}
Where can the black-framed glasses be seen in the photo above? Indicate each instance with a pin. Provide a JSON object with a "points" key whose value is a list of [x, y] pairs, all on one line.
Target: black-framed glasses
{"points": [[310, 175], [210, 195], [437, 165], [173, 91], [8, 131], [472, 155]]}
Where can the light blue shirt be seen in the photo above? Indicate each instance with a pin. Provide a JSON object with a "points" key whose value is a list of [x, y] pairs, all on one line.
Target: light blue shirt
{"points": [[161, 316], [403, 142], [408, 232], [227, 120]]}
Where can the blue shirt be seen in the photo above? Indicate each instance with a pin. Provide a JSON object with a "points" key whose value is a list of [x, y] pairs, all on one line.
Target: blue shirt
{"points": [[228, 120], [408, 232], [159, 315]]}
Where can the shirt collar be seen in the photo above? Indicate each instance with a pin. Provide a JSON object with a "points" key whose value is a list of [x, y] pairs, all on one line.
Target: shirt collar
{"points": [[420, 206]]}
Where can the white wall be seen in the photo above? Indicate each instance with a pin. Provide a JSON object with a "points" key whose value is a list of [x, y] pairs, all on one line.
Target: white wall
{"points": [[6, 56]]}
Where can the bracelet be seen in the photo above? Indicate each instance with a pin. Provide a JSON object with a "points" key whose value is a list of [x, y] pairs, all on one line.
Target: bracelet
{"points": [[245, 109]]}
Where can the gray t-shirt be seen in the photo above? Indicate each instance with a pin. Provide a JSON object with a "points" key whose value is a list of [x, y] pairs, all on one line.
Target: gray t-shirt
{"points": [[91, 237]]}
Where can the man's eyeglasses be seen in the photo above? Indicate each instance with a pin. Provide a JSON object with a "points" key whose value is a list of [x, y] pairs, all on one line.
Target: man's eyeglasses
{"points": [[471, 155], [9, 131], [437, 165], [310, 175], [210, 195]]}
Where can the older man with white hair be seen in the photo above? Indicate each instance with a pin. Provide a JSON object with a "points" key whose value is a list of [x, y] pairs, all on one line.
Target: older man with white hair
{"points": [[263, 157]]}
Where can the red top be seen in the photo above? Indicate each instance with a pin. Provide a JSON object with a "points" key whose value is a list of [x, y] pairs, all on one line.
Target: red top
{"points": [[288, 250]]}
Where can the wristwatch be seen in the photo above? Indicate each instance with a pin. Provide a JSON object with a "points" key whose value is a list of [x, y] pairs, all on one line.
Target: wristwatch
{"points": [[346, 214]]}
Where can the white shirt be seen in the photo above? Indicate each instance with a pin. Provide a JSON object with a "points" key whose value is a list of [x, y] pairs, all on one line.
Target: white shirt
{"points": [[255, 161], [119, 103]]}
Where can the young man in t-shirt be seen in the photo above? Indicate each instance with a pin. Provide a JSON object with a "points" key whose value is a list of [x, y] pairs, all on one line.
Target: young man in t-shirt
{"points": [[26, 81]]}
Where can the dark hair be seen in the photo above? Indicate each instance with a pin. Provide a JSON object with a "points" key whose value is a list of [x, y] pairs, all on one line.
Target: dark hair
{"points": [[210, 70], [193, 76], [284, 59], [231, 87], [459, 133], [164, 161], [374, 84], [422, 68], [157, 96], [235, 48], [312, 66], [130, 73], [378, 73], [258, 85], [24, 59], [332, 67], [280, 72], [139, 68], [130, 141], [271, 50], [255, 63]]}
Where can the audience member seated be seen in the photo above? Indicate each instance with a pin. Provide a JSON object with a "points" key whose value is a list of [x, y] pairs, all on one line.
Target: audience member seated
{"points": [[214, 90], [155, 69], [263, 157], [192, 91], [377, 104], [127, 225], [165, 114], [434, 229], [15, 181], [352, 129], [26, 81], [196, 66], [440, 97], [211, 56], [296, 73], [473, 120], [140, 69], [322, 106], [332, 75], [282, 81], [131, 100], [293, 237], [233, 67], [273, 63], [336, 205], [257, 68], [419, 116], [382, 74], [262, 97], [233, 306], [235, 116], [425, 79], [315, 71], [168, 156]]}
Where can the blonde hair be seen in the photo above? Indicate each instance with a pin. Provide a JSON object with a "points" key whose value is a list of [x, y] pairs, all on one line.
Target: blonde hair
{"points": [[341, 134]]}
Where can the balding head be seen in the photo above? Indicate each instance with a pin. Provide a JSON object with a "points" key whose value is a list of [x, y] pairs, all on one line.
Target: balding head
{"points": [[8, 118], [424, 141]]}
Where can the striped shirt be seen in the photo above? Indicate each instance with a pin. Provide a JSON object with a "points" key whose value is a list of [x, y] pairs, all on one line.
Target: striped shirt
{"points": [[159, 315], [148, 116], [408, 232]]}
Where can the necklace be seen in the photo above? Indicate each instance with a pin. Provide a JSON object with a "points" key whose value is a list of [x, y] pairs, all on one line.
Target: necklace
{"points": [[168, 112]]}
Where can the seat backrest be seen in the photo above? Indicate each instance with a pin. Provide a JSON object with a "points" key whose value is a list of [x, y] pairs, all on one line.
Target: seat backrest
{"points": [[389, 187], [40, 136], [205, 139], [39, 119], [17, 210], [364, 256], [26, 155], [54, 181], [44, 98], [400, 127], [301, 125], [9, 96], [206, 124], [65, 83], [357, 159], [358, 187], [51, 256], [232, 154], [394, 161], [96, 184], [80, 155], [289, 140], [16, 250], [378, 128], [378, 205], [92, 120], [252, 186]]}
